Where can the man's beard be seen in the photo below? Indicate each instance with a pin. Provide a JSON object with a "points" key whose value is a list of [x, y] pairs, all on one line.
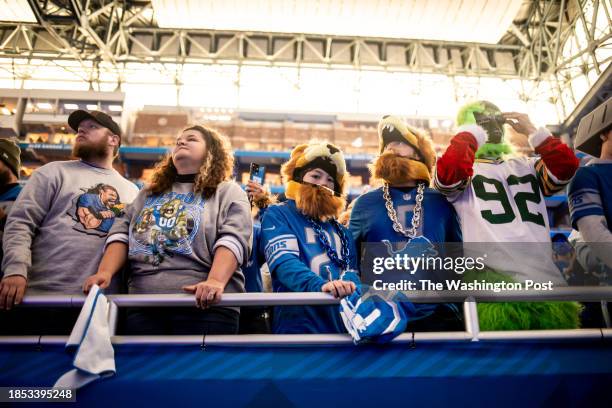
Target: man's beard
{"points": [[89, 151], [318, 203], [5, 177], [398, 170]]}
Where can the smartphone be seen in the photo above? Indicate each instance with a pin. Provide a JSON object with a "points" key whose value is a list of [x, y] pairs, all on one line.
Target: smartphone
{"points": [[257, 173]]}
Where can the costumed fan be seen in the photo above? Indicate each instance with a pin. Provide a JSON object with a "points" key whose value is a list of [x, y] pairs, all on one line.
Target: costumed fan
{"points": [[306, 248], [404, 215], [499, 198]]}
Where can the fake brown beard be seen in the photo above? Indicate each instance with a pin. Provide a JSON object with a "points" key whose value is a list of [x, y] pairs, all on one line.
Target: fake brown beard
{"points": [[397, 170], [318, 203], [5, 176]]}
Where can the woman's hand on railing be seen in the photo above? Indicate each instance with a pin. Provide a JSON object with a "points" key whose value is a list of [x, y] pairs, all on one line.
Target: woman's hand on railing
{"points": [[101, 279], [339, 288], [207, 292], [12, 289]]}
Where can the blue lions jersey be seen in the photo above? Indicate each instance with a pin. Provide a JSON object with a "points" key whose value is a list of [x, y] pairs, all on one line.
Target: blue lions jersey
{"points": [[370, 222], [298, 262], [590, 192]]}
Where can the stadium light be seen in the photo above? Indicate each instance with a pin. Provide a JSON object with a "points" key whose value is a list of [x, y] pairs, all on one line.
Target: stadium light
{"points": [[18, 11], [71, 106], [92, 107], [44, 106], [217, 118]]}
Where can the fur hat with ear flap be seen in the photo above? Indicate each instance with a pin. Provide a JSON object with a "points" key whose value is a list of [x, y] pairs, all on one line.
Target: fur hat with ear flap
{"points": [[324, 156], [394, 129]]}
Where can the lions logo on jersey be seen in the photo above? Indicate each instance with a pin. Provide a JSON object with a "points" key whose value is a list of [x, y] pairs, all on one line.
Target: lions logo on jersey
{"points": [[416, 247]]}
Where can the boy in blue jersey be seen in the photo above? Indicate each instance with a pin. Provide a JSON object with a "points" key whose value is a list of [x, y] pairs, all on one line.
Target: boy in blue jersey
{"points": [[590, 192], [307, 250], [387, 214]]}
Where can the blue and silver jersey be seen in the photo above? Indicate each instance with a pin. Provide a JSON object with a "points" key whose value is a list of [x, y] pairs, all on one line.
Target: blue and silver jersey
{"points": [[370, 221], [299, 262], [590, 192]]}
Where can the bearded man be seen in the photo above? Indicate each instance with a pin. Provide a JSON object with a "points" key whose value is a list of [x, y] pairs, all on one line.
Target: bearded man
{"points": [[404, 212], [306, 248], [46, 253]]}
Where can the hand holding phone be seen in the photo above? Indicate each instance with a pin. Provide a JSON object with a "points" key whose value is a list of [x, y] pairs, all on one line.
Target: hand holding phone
{"points": [[254, 187]]}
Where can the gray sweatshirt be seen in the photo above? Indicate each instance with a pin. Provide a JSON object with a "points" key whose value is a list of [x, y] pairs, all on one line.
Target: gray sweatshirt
{"points": [[172, 237], [55, 232]]}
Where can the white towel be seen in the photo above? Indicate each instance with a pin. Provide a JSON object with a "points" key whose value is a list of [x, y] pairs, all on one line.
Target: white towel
{"points": [[94, 357]]}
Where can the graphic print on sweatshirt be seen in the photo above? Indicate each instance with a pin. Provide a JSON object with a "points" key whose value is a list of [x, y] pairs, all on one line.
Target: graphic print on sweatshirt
{"points": [[95, 210], [166, 225]]}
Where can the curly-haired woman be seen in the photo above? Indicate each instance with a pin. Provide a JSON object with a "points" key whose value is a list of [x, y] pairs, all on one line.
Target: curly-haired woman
{"points": [[189, 230]]}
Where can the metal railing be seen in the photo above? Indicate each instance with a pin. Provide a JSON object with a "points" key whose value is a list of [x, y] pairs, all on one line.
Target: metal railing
{"points": [[472, 330]]}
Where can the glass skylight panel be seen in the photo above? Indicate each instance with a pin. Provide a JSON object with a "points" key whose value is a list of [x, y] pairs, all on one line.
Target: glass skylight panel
{"points": [[16, 11], [482, 21]]}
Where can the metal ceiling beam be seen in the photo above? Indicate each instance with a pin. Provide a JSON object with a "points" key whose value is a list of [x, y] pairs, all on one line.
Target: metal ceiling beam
{"points": [[120, 23], [108, 31], [120, 31], [584, 60], [150, 44]]}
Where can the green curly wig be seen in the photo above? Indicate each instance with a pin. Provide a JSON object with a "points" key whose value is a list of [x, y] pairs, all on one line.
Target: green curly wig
{"points": [[465, 116], [523, 315]]}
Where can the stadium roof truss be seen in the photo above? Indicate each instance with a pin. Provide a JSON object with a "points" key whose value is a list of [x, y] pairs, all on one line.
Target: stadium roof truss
{"points": [[566, 42]]}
